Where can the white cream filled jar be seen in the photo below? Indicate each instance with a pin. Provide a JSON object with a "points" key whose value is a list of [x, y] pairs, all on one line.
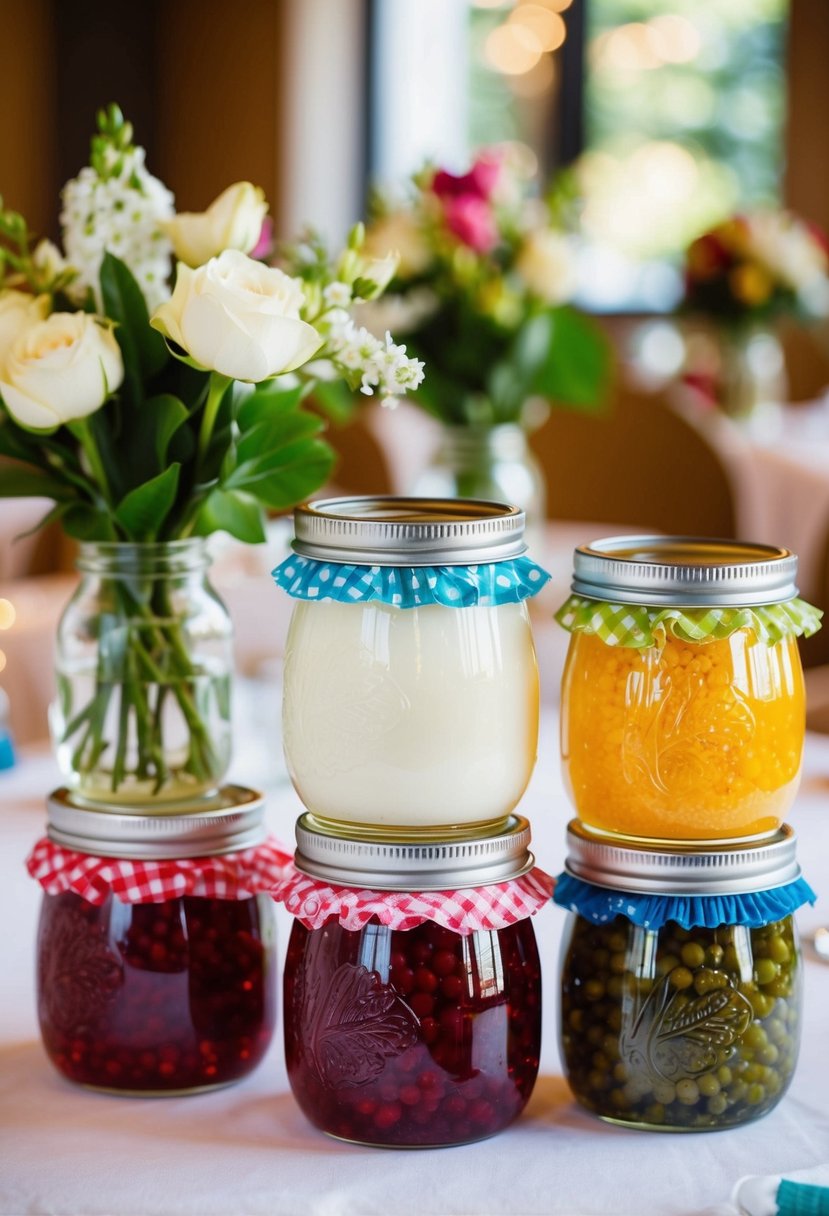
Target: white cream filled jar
{"points": [[411, 693]]}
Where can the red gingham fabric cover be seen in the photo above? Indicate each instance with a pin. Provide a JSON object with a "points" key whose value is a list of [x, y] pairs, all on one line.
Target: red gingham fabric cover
{"points": [[313, 902], [230, 876]]}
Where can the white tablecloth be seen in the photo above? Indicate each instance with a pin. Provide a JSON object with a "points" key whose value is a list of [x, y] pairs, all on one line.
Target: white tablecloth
{"points": [[248, 1149]]}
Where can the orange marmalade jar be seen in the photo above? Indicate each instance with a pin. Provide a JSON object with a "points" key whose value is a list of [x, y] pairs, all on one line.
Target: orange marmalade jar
{"points": [[682, 708]]}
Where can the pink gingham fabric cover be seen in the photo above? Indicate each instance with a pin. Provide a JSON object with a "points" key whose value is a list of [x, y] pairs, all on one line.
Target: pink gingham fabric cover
{"points": [[313, 902], [239, 875]]}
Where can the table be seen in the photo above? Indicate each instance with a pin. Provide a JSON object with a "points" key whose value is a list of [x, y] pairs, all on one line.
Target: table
{"points": [[248, 1150]]}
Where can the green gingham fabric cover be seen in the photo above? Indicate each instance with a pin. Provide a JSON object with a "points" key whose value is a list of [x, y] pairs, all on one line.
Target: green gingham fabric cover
{"points": [[489, 585], [638, 626]]}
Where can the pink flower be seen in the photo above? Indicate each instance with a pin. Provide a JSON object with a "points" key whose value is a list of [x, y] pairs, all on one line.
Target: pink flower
{"points": [[264, 244], [478, 183], [471, 220]]}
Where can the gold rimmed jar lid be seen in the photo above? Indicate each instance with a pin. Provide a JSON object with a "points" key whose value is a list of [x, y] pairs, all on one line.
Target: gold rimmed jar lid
{"points": [[686, 869], [684, 571], [394, 865], [390, 531], [230, 820]]}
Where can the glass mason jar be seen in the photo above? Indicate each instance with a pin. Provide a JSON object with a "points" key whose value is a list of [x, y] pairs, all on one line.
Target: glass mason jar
{"points": [[421, 1037], [410, 681], [170, 997], [681, 1026], [144, 665], [488, 462], [683, 711]]}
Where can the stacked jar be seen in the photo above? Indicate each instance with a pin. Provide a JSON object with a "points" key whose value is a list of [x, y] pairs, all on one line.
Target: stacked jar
{"points": [[682, 727], [156, 966], [410, 723]]}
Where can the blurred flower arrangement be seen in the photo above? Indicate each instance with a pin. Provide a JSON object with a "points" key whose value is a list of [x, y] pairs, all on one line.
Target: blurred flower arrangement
{"points": [[153, 406], [480, 291], [741, 277], [756, 267]]}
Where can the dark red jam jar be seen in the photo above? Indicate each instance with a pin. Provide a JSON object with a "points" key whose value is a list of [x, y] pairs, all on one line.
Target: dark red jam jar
{"points": [[170, 996], [416, 1036]]}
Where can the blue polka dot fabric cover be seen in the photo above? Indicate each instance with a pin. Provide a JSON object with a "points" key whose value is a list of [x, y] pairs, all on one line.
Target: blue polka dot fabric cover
{"points": [[489, 585], [754, 909]]}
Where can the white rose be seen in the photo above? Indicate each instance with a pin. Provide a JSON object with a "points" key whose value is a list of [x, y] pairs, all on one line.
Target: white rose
{"points": [[399, 234], [60, 369], [18, 312], [232, 221], [546, 264], [238, 317]]}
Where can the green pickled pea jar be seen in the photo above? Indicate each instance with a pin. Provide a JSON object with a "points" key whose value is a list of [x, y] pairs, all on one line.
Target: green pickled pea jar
{"points": [[667, 1024]]}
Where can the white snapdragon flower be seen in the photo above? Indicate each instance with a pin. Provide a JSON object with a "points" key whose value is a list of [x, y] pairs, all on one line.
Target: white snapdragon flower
{"points": [[384, 366], [337, 295], [121, 213]]}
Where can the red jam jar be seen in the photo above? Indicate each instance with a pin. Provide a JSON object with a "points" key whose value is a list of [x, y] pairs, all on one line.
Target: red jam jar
{"points": [[421, 1036], [165, 997]]}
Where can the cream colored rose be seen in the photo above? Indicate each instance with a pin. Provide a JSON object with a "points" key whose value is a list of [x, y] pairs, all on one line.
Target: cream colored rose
{"points": [[238, 317], [546, 264], [19, 311], [232, 221], [60, 369], [397, 233]]}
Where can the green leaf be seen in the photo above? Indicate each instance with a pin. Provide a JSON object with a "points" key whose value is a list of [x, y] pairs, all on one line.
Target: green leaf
{"points": [[263, 441], [231, 511], [87, 523], [575, 367], [17, 482], [142, 512], [292, 474], [148, 434], [144, 351], [336, 400], [266, 401]]}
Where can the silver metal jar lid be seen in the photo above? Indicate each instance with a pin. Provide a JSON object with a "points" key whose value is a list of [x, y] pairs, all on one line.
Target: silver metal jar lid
{"points": [[682, 869], [388, 531], [233, 819], [385, 865], [684, 571]]}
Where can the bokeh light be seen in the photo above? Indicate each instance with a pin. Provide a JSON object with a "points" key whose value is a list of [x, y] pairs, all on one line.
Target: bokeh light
{"points": [[512, 48]]}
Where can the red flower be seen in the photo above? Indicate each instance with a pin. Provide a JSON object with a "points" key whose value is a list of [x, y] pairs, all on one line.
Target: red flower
{"points": [[471, 220], [478, 183]]}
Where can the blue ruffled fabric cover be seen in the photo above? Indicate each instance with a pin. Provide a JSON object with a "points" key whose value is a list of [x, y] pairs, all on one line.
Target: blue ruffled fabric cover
{"points": [[754, 909], [488, 585]]}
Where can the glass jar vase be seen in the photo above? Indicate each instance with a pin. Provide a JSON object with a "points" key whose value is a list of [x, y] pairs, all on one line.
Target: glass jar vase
{"points": [[488, 462], [144, 663], [683, 712], [410, 683], [679, 1011], [422, 1036], [141, 990]]}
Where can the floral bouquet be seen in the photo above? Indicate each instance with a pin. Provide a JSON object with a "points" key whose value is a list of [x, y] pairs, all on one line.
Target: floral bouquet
{"points": [[154, 406], [755, 267], [740, 278], [481, 288]]}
